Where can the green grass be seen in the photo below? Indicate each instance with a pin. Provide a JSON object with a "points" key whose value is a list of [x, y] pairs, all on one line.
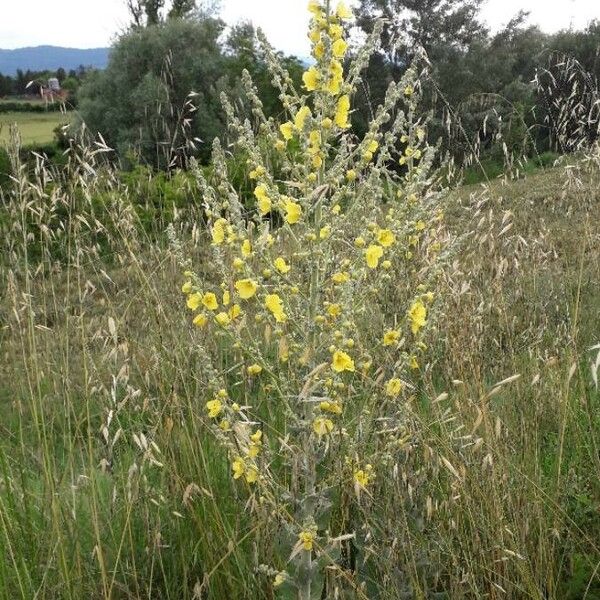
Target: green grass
{"points": [[85, 335], [12, 100], [35, 128]]}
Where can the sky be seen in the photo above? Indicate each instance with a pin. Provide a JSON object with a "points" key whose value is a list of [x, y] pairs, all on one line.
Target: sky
{"points": [[93, 23]]}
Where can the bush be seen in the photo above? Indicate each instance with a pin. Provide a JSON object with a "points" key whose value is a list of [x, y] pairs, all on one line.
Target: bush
{"points": [[5, 168], [35, 107]]}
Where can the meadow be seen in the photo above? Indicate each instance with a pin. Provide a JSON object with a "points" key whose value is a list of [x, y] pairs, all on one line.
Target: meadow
{"points": [[36, 129], [336, 375]]}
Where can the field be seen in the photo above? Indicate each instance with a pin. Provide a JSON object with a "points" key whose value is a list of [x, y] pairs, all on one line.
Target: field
{"points": [[113, 485], [34, 128]]}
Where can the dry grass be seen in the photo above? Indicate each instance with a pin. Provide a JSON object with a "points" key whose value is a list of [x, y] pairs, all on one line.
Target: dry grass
{"points": [[111, 486]]}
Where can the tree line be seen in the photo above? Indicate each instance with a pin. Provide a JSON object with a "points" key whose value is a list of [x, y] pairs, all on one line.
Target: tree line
{"points": [[159, 98], [28, 82]]}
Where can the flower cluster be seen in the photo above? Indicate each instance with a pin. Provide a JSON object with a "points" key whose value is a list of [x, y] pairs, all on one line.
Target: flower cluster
{"points": [[318, 288]]}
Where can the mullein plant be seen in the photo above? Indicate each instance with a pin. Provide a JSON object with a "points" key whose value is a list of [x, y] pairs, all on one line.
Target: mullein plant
{"points": [[312, 310]]}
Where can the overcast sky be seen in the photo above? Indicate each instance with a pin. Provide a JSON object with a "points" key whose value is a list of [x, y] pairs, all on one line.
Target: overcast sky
{"points": [[93, 23]]}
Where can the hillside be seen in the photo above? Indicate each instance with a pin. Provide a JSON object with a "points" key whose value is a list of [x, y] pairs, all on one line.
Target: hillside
{"points": [[42, 58], [103, 391]]}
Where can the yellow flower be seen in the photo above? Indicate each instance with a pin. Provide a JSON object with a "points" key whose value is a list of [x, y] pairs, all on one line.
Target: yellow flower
{"points": [[225, 425], [338, 48], [336, 31], [246, 248], [253, 450], [186, 288], [413, 363], [261, 191], [281, 265], [287, 130], [314, 35], [238, 263], [239, 467], [251, 474], [314, 138], [210, 301], [234, 312], [254, 369], [350, 174], [386, 264], [194, 301], [331, 407], [342, 362], [200, 320], [280, 579], [293, 211], [359, 242], [226, 298], [301, 117], [246, 288], [218, 231], [327, 123], [361, 477], [341, 117], [372, 146], [256, 173], [341, 277], [393, 387], [334, 310], [385, 237], [264, 205], [256, 437], [311, 79], [409, 90], [314, 7], [417, 315], [325, 232], [223, 319], [274, 304], [391, 337], [372, 254], [214, 408], [322, 426], [319, 50], [334, 85], [343, 12], [306, 538]]}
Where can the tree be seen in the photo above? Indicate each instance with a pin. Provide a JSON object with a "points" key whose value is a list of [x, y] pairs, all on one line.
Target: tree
{"points": [[435, 25], [152, 9], [140, 101], [6, 85], [182, 8], [145, 13], [245, 52]]}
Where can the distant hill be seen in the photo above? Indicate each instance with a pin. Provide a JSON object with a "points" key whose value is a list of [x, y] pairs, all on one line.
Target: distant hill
{"points": [[50, 58]]}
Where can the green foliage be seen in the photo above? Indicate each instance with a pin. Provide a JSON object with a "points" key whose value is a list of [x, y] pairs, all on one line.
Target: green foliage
{"points": [[9, 106], [5, 168], [244, 52], [438, 26], [481, 90], [141, 101]]}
